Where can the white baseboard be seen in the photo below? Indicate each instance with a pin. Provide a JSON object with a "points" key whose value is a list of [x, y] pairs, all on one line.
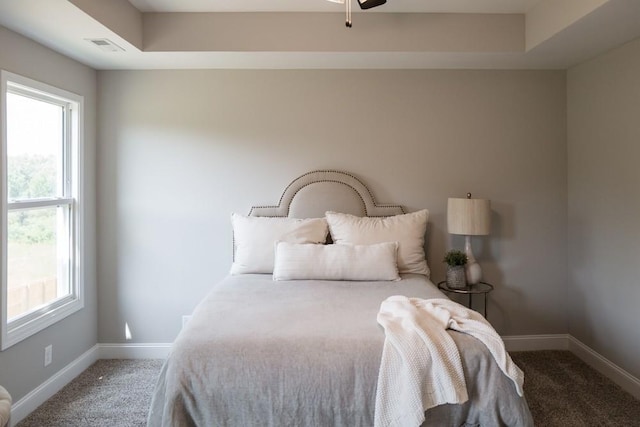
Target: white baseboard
{"points": [[536, 342], [624, 379], [44, 391], [35, 398], [134, 351]]}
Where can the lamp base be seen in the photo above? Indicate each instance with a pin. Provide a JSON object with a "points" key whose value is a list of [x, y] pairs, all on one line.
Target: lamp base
{"points": [[473, 272], [472, 268]]}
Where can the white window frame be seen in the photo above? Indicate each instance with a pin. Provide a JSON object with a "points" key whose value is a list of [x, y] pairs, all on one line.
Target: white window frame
{"points": [[35, 321]]}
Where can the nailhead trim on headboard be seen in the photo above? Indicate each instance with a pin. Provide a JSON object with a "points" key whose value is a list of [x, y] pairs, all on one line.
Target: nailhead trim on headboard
{"points": [[371, 208]]}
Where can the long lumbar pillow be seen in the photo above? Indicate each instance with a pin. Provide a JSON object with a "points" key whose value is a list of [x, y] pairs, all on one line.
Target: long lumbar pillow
{"points": [[336, 262]]}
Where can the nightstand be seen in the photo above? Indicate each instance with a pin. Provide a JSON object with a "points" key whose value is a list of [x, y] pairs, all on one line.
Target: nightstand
{"points": [[480, 288]]}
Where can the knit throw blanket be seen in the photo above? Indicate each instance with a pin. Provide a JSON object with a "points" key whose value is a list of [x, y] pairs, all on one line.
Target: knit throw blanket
{"points": [[421, 367]]}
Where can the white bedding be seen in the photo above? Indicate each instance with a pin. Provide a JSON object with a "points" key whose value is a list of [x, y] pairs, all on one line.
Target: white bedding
{"points": [[306, 353]]}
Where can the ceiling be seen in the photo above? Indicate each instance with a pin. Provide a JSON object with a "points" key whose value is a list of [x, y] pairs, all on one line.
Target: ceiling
{"points": [[401, 6], [300, 34]]}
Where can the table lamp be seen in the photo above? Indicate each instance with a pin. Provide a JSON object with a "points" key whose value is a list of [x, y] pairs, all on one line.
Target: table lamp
{"points": [[469, 217]]}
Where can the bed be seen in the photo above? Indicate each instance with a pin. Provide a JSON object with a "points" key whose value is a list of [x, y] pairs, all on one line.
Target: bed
{"points": [[264, 350]]}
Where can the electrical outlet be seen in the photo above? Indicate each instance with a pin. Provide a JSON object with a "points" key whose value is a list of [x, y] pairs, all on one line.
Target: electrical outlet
{"points": [[185, 320], [48, 355]]}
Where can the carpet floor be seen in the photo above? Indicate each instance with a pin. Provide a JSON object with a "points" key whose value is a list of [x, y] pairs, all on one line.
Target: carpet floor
{"points": [[112, 392], [561, 391]]}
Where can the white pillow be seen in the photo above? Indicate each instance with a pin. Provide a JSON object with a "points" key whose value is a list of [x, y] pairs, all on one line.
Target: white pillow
{"points": [[336, 262], [255, 239], [408, 230]]}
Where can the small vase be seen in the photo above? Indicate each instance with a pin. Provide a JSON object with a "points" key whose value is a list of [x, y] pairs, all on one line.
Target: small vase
{"points": [[456, 277]]}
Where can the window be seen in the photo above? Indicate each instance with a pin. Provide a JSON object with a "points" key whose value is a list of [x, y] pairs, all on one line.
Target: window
{"points": [[41, 206]]}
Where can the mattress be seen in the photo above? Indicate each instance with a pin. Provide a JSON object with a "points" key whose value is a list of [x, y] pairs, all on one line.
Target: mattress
{"points": [[306, 353]]}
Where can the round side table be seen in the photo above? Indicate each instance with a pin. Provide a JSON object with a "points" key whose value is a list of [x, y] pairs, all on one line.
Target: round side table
{"points": [[480, 288]]}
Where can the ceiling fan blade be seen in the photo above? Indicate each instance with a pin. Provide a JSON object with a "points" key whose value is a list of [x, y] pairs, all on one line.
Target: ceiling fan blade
{"points": [[364, 4], [368, 4]]}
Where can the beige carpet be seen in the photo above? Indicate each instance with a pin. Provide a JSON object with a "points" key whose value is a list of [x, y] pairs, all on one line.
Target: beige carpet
{"points": [[564, 391], [111, 393], [561, 390]]}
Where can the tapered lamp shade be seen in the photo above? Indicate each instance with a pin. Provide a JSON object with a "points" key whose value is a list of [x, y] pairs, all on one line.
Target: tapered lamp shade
{"points": [[469, 217]]}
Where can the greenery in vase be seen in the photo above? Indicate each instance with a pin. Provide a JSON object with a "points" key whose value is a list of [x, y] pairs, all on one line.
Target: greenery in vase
{"points": [[454, 258]]}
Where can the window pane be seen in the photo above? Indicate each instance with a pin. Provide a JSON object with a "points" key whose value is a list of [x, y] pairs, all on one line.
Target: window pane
{"points": [[34, 148], [38, 258]]}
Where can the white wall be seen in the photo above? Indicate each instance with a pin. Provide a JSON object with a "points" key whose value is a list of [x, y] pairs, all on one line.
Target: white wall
{"points": [[180, 150], [22, 365], [604, 204]]}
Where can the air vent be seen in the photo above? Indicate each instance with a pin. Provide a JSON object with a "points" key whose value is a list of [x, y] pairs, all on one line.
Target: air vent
{"points": [[106, 45]]}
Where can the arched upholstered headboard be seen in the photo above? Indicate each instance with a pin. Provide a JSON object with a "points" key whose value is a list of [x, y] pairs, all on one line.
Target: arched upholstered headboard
{"points": [[314, 193]]}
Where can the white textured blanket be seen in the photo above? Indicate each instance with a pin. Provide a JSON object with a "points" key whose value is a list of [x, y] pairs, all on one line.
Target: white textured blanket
{"points": [[421, 367]]}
